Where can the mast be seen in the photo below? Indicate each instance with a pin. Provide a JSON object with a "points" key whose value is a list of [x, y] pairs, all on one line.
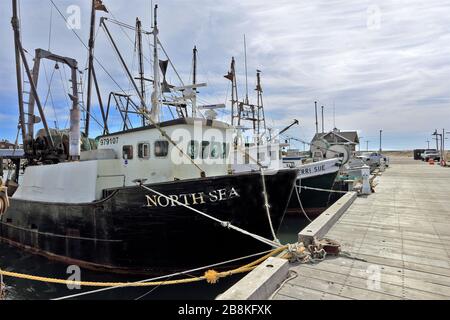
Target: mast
{"points": [[260, 105], [323, 129], [231, 75], [194, 81], [90, 67], [194, 68], [16, 27], [246, 72], [317, 123], [141, 66], [154, 114]]}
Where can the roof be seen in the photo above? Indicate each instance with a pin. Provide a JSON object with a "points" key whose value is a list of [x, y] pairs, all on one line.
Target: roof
{"points": [[345, 136], [191, 121], [11, 153]]}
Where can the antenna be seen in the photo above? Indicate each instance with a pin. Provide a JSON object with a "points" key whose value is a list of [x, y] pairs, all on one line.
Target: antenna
{"points": [[334, 114], [151, 13], [246, 72]]}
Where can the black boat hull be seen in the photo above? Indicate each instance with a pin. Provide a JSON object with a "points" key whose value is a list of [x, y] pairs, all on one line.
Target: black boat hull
{"points": [[312, 199], [134, 231]]}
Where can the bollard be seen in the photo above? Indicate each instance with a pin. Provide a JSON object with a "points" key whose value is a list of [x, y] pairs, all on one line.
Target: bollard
{"points": [[366, 189]]}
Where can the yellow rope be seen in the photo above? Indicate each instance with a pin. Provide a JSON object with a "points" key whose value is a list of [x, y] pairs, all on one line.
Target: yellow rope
{"points": [[211, 276]]}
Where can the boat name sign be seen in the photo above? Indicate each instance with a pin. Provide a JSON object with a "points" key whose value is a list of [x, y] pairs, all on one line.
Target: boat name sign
{"points": [[189, 199], [315, 169]]}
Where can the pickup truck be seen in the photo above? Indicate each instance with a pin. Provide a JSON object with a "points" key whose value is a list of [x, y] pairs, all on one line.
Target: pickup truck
{"points": [[430, 154], [373, 159]]}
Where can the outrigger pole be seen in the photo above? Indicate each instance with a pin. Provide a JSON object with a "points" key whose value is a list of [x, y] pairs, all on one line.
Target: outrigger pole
{"points": [[20, 57], [154, 114], [90, 69], [15, 24]]}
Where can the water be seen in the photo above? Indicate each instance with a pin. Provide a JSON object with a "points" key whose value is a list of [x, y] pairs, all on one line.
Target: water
{"points": [[13, 259]]}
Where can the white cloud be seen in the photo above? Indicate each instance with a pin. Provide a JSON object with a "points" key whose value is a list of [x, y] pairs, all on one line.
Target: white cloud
{"points": [[393, 76]]}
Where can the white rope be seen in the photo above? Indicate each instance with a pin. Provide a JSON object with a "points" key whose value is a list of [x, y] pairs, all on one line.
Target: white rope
{"points": [[164, 277], [297, 192], [225, 224], [267, 206], [325, 190]]}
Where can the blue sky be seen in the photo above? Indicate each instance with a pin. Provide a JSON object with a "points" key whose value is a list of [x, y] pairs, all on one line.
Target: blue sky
{"points": [[383, 64]]}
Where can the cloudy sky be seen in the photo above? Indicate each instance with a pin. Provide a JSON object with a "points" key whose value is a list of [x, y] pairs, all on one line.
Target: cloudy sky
{"points": [[382, 64]]}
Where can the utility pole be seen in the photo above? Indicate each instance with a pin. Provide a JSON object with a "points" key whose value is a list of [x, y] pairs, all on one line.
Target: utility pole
{"points": [[443, 145], [428, 142], [380, 140], [359, 144], [435, 134], [367, 145], [317, 123], [323, 128]]}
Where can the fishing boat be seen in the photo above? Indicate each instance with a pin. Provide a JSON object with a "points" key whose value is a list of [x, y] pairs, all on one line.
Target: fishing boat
{"points": [[315, 180], [161, 197]]}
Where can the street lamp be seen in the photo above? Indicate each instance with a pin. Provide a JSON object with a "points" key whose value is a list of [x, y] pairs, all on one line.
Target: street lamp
{"points": [[380, 139]]}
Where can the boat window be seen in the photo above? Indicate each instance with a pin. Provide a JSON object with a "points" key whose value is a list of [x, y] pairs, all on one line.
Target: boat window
{"points": [[216, 150], [193, 149], [127, 152], [161, 148], [224, 150], [144, 150], [274, 155], [205, 149], [262, 156]]}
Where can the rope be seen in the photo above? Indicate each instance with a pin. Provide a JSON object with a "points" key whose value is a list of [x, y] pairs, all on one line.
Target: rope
{"points": [[325, 190], [2, 287], [210, 276], [297, 192], [267, 206], [225, 224], [166, 276]]}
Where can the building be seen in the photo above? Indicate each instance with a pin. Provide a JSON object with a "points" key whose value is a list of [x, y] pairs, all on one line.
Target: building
{"points": [[336, 141], [5, 144]]}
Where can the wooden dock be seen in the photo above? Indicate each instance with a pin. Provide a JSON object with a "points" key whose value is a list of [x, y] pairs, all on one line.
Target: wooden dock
{"points": [[402, 231]]}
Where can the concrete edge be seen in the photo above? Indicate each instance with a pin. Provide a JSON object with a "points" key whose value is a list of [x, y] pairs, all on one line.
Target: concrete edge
{"points": [[260, 283], [323, 223]]}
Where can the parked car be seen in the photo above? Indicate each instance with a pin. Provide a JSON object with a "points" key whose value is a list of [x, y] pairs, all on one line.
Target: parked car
{"points": [[430, 154], [374, 159]]}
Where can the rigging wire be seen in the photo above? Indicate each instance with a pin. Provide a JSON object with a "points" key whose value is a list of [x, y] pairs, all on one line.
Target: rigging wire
{"points": [[49, 93], [50, 29]]}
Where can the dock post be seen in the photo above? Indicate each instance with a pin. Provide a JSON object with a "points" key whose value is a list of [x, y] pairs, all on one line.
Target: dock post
{"points": [[366, 189]]}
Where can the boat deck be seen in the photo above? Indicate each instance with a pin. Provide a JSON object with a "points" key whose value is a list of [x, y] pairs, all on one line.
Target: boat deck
{"points": [[402, 231]]}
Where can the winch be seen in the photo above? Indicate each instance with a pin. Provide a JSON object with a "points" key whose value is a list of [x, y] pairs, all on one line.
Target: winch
{"points": [[4, 200]]}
